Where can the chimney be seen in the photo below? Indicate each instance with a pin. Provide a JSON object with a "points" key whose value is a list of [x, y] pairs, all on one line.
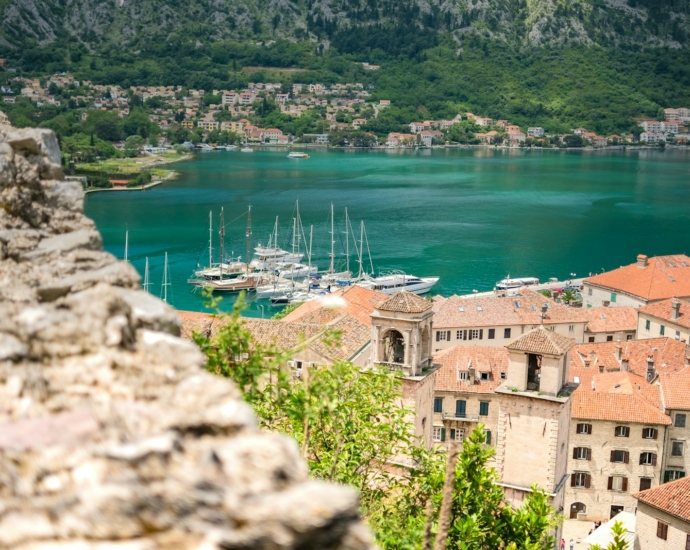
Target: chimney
{"points": [[625, 364], [641, 260], [675, 308], [617, 351], [650, 368]]}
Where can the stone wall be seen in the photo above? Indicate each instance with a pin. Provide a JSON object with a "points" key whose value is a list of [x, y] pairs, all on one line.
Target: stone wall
{"points": [[111, 433]]}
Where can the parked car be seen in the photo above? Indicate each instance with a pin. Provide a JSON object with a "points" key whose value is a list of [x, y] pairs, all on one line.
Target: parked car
{"points": [[574, 288]]}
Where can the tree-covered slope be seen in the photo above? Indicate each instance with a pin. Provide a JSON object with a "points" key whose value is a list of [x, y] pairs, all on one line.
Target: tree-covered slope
{"points": [[351, 26]]}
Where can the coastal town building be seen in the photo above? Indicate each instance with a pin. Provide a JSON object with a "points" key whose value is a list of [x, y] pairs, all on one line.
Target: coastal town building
{"points": [[535, 131], [647, 281], [498, 320], [665, 318], [622, 436], [662, 520], [610, 324]]}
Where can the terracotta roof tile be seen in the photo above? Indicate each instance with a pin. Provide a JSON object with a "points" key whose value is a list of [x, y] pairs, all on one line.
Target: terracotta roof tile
{"points": [[611, 319], [662, 310], [675, 387], [359, 302], [663, 277], [593, 405], [541, 340], [354, 336], [672, 498], [405, 302], [522, 309], [460, 358]]}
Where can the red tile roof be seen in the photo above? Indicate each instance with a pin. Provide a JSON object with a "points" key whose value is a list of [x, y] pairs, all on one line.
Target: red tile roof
{"points": [[663, 310], [523, 309], [672, 498], [675, 388], [359, 302], [460, 358], [611, 319], [542, 341], [405, 302], [662, 277], [592, 405]]}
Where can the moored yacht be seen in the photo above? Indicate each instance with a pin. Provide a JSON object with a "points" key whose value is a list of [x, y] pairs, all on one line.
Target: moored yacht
{"points": [[395, 282], [298, 155]]}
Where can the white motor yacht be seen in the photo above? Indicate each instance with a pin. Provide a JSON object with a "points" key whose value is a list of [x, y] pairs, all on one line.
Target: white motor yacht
{"points": [[267, 257], [296, 270], [226, 271], [390, 284]]}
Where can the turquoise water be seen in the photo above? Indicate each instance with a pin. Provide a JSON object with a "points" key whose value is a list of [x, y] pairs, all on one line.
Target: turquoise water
{"points": [[469, 216]]}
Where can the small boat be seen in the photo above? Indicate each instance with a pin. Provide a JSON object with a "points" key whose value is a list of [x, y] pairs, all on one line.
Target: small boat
{"points": [[508, 283], [295, 270], [297, 155], [246, 150]]}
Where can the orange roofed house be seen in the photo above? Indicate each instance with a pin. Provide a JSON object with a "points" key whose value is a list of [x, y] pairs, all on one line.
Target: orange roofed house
{"points": [[609, 324], [666, 318], [662, 520], [628, 430], [646, 281]]}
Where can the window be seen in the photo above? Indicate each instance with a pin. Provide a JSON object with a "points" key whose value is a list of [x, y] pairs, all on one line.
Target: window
{"points": [[677, 335], [662, 330], [676, 448], [503, 376], [618, 483], [615, 510], [475, 334], [687, 542], [649, 433], [580, 479], [613, 297], [463, 375], [679, 420], [622, 431], [672, 475], [483, 408], [645, 483], [584, 429], [629, 337], [492, 333], [442, 335], [589, 292], [647, 325], [486, 376], [459, 435], [506, 333], [438, 405], [620, 456], [661, 530], [609, 338], [487, 434], [648, 459], [437, 432], [460, 408], [591, 338], [461, 335], [582, 453]]}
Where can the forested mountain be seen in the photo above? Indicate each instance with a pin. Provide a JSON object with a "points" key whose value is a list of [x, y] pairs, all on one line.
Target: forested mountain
{"points": [[350, 26]]}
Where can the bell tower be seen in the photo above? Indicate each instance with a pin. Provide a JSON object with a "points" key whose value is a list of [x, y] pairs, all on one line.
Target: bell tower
{"points": [[401, 341]]}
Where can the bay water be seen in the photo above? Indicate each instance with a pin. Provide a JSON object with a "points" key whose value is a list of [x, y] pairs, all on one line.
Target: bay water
{"points": [[469, 216]]}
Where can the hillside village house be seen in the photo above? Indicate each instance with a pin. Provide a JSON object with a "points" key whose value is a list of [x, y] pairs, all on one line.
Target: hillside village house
{"points": [[610, 324], [535, 131], [662, 520], [646, 281], [521, 394], [666, 318], [498, 320], [622, 435]]}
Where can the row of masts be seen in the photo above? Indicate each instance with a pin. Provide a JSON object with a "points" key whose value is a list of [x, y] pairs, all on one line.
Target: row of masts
{"points": [[146, 285]]}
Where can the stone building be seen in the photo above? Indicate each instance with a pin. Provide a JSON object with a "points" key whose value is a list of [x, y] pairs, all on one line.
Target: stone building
{"points": [[498, 320], [610, 324], [623, 436], [663, 517], [401, 341], [665, 318], [647, 281]]}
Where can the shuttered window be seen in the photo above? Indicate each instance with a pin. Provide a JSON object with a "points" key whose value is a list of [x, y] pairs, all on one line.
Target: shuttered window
{"points": [[438, 405], [492, 333], [460, 408], [645, 483], [622, 431], [584, 429], [650, 433], [661, 530], [506, 333], [581, 479], [648, 459], [483, 408], [620, 456], [582, 453], [618, 483]]}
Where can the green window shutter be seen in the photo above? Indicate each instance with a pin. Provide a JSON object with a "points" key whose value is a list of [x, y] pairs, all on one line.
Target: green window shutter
{"points": [[443, 434], [681, 475], [460, 408], [438, 405], [452, 434], [613, 297], [647, 324], [662, 329], [667, 476], [484, 408], [488, 437]]}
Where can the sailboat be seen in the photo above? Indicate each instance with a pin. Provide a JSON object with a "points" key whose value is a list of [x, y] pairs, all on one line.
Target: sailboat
{"points": [[221, 269], [267, 257], [166, 280], [246, 281], [296, 270], [146, 284]]}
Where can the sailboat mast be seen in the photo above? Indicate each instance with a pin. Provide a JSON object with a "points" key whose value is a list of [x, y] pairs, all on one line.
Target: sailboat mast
{"points": [[249, 236], [165, 279], [146, 275], [275, 241], [311, 234], [222, 242], [361, 247], [331, 269], [126, 245], [347, 242], [210, 239]]}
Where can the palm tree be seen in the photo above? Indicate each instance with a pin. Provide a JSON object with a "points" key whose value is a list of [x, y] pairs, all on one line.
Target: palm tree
{"points": [[568, 296]]}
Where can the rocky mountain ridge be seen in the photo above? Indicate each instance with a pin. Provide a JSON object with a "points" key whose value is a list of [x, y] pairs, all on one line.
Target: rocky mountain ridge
{"points": [[349, 25]]}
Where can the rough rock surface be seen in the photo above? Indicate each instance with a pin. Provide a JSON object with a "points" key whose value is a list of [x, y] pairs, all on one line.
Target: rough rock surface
{"points": [[111, 433]]}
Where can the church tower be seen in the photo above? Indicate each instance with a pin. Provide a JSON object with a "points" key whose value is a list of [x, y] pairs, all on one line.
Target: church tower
{"points": [[401, 340]]}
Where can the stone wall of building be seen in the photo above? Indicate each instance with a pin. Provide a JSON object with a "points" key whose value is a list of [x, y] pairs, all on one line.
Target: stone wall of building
{"points": [[647, 519], [111, 433]]}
